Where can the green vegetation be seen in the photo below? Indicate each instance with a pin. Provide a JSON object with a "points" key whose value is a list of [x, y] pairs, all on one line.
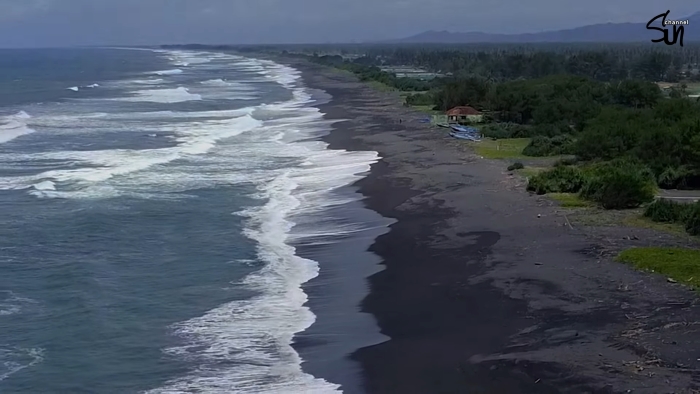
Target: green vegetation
{"points": [[381, 86], [549, 146], [504, 130], [530, 172], [501, 149], [681, 265], [624, 132], [686, 215], [503, 62], [569, 200], [516, 166], [423, 99], [601, 104], [619, 184], [366, 70], [428, 109], [606, 109], [665, 211], [560, 179], [640, 221]]}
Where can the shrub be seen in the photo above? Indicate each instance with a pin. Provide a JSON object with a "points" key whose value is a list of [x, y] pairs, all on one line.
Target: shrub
{"points": [[665, 211], [420, 99], [495, 132], [519, 131], [692, 224], [562, 179], [567, 161], [677, 178], [516, 166], [549, 146], [619, 185], [549, 130], [505, 130]]}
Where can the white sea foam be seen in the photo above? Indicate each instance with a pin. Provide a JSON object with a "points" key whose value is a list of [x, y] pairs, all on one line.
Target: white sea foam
{"points": [[169, 72], [236, 85], [44, 185], [97, 167], [14, 359], [193, 138], [184, 59], [147, 81], [257, 333], [74, 88], [11, 303], [14, 126], [243, 346], [165, 96], [82, 123], [94, 85], [225, 114]]}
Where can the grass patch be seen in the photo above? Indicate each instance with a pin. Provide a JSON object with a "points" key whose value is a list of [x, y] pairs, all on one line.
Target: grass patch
{"points": [[427, 109], [682, 265], [501, 149], [593, 216], [405, 94], [569, 200], [529, 172], [381, 87], [693, 88], [340, 71], [597, 217], [640, 221]]}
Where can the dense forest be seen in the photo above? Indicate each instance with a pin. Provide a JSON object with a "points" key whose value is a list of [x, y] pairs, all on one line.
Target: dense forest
{"points": [[604, 62], [600, 107]]}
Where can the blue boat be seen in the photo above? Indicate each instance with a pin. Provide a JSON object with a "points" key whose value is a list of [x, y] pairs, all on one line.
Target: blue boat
{"points": [[464, 129], [465, 133], [465, 136]]}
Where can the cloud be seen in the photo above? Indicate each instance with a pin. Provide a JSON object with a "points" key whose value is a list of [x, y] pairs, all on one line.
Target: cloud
{"points": [[14, 9], [128, 22]]}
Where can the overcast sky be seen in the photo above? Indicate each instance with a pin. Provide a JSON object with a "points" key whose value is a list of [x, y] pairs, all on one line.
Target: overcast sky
{"points": [[32, 23]]}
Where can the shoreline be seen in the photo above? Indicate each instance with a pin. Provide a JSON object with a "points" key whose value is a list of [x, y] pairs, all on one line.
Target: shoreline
{"points": [[478, 294]]}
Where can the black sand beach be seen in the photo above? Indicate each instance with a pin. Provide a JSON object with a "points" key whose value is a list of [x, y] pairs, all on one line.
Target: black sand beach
{"points": [[479, 294]]}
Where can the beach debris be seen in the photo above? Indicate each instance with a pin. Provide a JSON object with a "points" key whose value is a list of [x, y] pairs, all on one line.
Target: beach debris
{"points": [[539, 215], [671, 280], [538, 263]]}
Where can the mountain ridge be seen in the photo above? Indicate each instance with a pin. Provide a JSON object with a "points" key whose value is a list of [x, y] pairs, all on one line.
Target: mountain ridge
{"points": [[601, 32]]}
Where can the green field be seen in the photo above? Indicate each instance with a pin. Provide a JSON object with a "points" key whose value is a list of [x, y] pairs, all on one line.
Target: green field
{"points": [[508, 148], [681, 265]]}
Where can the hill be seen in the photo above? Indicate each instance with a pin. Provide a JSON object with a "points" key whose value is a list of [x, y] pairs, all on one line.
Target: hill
{"points": [[606, 32]]}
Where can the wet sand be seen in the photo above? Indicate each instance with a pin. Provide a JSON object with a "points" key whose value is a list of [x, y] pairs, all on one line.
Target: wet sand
{"points": [[479, 294]]}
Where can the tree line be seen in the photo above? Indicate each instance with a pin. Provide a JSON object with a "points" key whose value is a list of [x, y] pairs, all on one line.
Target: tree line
{"points": [[604, 108]]}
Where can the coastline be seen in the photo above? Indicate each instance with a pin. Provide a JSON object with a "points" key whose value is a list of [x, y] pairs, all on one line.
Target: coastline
{"points": [[478, 294]]}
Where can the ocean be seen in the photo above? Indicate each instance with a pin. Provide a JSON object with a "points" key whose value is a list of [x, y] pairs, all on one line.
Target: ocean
{"points": [[171, 222]]}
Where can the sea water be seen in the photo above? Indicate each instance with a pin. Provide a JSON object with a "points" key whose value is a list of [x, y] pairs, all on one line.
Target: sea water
{"points": [[152, 208]]}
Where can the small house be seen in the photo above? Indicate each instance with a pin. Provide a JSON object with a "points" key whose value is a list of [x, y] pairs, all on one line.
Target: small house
{"points": [[464, 114]]}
